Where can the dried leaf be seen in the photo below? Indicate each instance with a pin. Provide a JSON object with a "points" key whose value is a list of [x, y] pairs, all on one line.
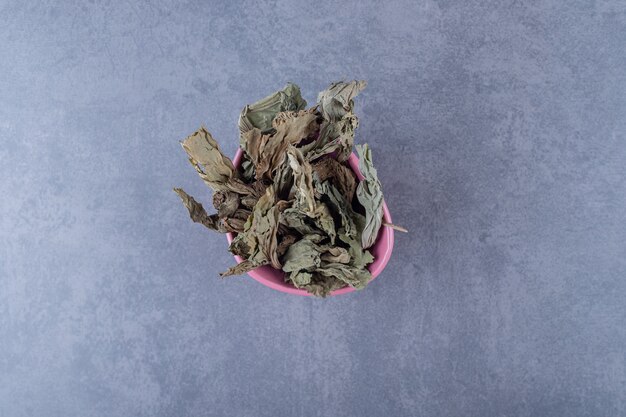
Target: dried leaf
{"points": [[257, 190], [300, 279], [314, 283], [198, 214], [241, 214], [359, 257], [283, 179], [246, 169], [323, 219], [351, 275], [370, 195], [267, 150], [338, 205], [336, 100], [298, 221], [305, 194], [226, 203], [342, 177], [337, 130], [241, 268], [233, 225], [304, 255], [285, 243], [336, 254], [335, 139], [215, 169], [303, 181], [261, 114], [258, 241]]}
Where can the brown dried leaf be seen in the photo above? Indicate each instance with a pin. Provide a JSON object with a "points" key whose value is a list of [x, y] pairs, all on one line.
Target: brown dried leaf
{"points": [[215, 169], [226, 203], [285, 243], [267, 151], [198, 214], [340, 175], [241, 268], [258, 241], [335, 138]]}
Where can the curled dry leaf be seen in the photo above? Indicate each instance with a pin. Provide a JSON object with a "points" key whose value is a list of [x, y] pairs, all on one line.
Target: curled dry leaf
{"points": [[261, 113], [215, 169], [198, 214], [226, 203], [241, 268], [267, 150], [336, 100], [258, 240], [370, 196]]}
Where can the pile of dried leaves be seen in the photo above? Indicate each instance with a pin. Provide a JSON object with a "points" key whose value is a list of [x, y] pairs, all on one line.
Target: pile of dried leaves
{"points": [[293, 203]]}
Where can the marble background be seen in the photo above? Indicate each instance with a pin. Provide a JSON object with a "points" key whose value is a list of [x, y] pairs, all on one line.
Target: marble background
{"points": [[499, 133]]}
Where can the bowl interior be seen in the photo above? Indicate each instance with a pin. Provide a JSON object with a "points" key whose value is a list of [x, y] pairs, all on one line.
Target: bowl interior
{"points": [[381, 250]]}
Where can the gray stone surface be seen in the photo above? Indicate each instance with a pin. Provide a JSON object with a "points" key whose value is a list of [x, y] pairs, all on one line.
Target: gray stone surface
{"points": [[499, 131]]}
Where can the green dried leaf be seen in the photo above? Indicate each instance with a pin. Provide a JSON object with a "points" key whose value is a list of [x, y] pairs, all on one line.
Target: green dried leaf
{"points": [[370, 195], [338, 205], [324, 221], [297, 220], [247, 169], [335, 138], [300, 279], [359, 257], [258, 242], [336, 100], [314, 283], [261, 114], [336, 106], [351, 275], [283, 179], [305, 200], [304, 255]]}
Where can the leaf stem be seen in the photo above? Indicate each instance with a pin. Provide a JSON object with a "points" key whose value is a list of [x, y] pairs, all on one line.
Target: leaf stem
{"points": [[395, 227]]}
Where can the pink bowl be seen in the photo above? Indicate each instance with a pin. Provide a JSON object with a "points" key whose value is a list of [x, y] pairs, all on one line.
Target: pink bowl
{"points": [[381, 250]]}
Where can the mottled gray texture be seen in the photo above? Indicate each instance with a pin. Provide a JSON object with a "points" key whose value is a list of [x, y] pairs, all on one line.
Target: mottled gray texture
{"points": [[499, 133]]}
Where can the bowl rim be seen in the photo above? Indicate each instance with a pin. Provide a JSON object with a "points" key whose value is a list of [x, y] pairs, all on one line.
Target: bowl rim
{"points": [[379, 264]]}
